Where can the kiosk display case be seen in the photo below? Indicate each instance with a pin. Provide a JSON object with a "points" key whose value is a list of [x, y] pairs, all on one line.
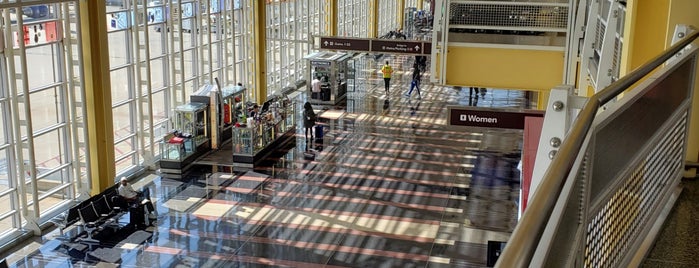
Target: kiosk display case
{"points": [[188, 140], [331, 69], [226, 103], [274, 127], [191, 120], [233, 98]]}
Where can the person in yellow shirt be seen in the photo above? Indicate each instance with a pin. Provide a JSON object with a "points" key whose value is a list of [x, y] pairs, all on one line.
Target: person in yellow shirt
{"points": [[387, 71]]}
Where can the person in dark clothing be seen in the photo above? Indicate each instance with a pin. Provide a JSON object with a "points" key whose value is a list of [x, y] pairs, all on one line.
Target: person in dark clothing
{"points": [[421, 61], [309, 119], [415, 83], [255, 111]]}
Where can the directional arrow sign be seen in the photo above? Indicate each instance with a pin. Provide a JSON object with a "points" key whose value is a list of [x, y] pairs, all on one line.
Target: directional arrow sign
{"points": [[344, 44], [396, 46]]}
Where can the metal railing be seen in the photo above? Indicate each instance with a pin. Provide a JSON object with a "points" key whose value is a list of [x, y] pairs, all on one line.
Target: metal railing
{"points": [[614, 172]]}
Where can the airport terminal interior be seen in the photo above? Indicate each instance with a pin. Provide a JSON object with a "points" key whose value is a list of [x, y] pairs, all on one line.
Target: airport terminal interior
{"points": [[201, 106]]}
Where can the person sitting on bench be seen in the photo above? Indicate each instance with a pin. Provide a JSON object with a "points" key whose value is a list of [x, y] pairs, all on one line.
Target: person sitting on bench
{"points": [[135, 197]]}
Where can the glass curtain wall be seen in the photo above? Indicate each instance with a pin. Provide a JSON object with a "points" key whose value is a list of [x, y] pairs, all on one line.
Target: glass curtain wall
{"points": [[411, 3], [290, 27], [387, 20], [353, 18], [160, 52], [42, 127]]}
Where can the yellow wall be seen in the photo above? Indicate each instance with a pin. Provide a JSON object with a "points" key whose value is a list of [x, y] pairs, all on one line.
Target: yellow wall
{"points": [[504, 68], [647, 31], [649, 27], [687, 12]]}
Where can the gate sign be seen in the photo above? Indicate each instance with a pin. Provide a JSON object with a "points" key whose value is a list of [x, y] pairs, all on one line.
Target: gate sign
{"points": [[376, 45], [344, 43], [396, 46], [492, 118]]}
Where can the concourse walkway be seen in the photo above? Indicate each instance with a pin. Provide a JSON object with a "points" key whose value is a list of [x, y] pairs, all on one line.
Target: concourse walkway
{"points": [[390, 186]]}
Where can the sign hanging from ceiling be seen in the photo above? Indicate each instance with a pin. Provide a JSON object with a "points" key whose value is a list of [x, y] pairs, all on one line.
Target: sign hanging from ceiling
{"points": [[486, 117], [376, 45], [396, 46]]}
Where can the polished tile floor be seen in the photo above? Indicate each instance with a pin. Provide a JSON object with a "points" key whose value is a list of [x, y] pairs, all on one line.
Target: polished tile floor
{"points": [[390, 186]]}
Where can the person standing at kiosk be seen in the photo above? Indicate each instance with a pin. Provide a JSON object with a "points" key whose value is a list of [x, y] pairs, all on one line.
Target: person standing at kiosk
{"points": [[387, 71], [315, 88]]}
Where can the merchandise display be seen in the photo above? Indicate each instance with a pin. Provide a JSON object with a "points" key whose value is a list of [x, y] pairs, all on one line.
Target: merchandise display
{"points": [[188, 139], [264, 130]]}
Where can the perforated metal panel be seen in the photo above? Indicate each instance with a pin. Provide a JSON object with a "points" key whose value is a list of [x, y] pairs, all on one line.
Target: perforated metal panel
{"points": [[602, 21], [627, 213], [530, 16]]}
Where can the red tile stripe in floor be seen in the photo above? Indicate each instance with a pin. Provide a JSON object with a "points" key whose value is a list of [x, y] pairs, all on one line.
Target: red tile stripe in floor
{"points": [[306, 172], [239, 258], [309, 227], [307, 245], [330, 212]]}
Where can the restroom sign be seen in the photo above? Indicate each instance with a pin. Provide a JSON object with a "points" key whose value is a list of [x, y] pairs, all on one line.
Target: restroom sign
{"points": [[489, 117]]}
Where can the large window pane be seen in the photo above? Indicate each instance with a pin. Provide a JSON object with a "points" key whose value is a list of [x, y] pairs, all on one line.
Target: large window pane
{"points": [[4, 123], [40, 66], [50, 149], [156, 41], [121, 88], [6, 205], [189, 64], [53, 199], [46, 108], [125, 163], [160, 112], [123, 126], [157, 73], [117, 48]]}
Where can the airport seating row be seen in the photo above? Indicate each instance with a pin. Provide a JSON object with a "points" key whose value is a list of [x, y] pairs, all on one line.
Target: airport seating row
{"points": [[94, 214]]}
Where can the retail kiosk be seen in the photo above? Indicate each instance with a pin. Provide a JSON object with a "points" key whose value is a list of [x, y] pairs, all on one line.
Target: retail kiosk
{"points": [[205, 123], [331, 69], [271, 128], [188, 140], [227, 103]]}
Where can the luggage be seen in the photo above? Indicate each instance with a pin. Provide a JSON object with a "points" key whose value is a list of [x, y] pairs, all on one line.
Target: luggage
{"points": [[325, 94], [308, 155], [318, 129]]}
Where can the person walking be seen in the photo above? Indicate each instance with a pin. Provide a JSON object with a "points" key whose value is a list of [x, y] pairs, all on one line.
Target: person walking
{"points": [[415, 83], [309, 119], [387, 71]]}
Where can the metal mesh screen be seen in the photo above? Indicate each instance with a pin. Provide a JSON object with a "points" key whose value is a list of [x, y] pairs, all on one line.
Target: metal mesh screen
{"points": [[543, 17], [616, 59], [624, 216], [599, 35]]}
